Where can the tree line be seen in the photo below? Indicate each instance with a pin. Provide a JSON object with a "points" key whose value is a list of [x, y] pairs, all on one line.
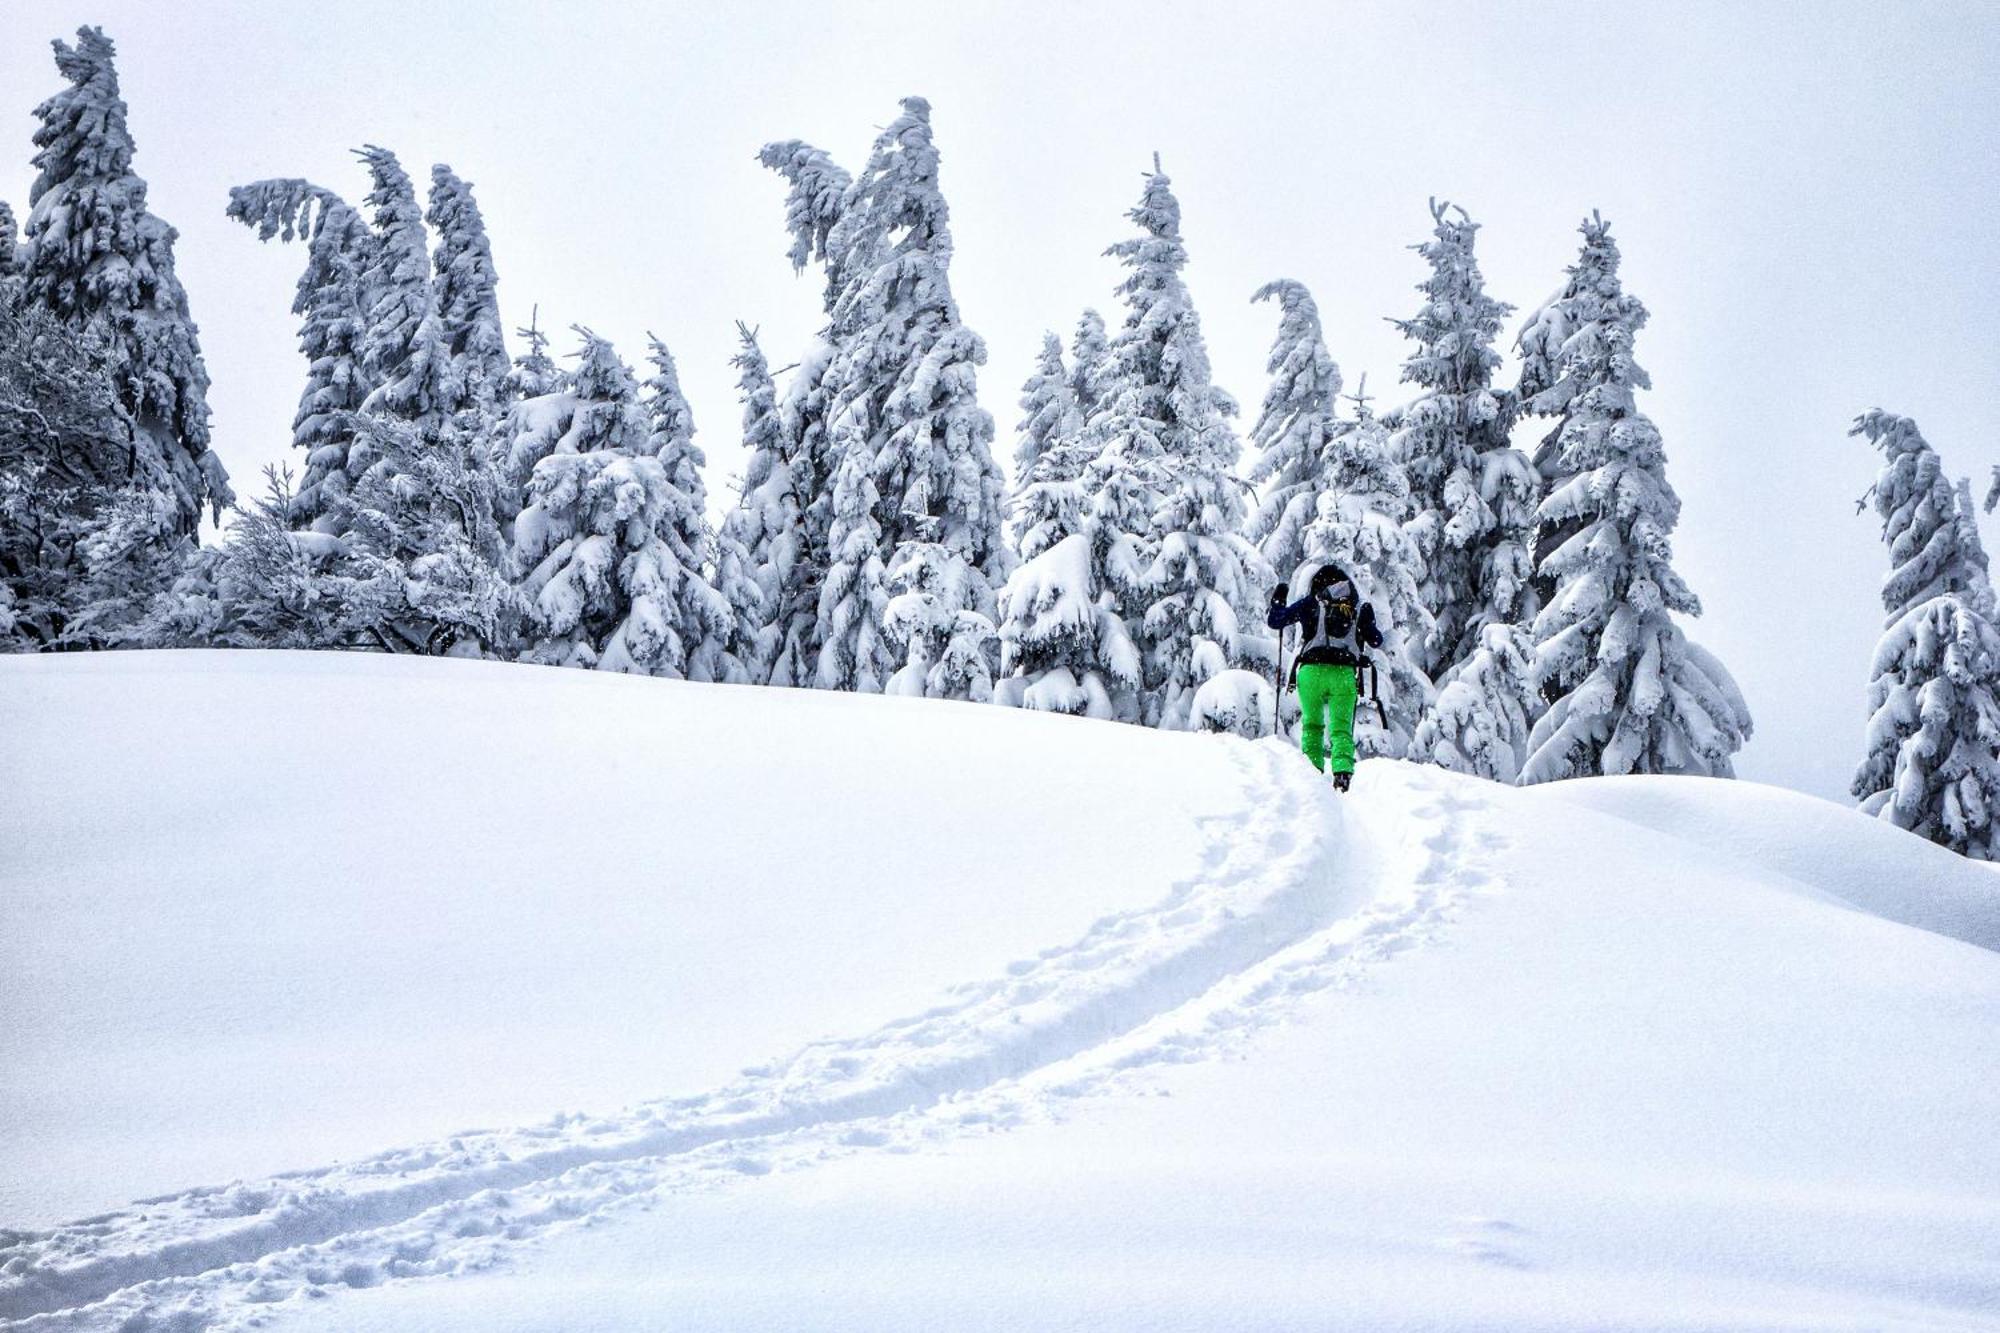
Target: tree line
{"points": [[452, 499]]}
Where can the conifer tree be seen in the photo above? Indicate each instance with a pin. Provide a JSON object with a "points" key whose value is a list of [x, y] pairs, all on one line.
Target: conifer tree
{"points": [[1294, 432], [464, 283], [10, 263], [67, 579], [422, 548], [813, 450], [403, 346], [818, 194], [1067, 613], [1048, 406], [768, 525], [1089, 354], [856, 652], [267, 588], [1473, 496], [332, 307], [599, 576], [526, 428], [1934, 730], [1628, 693], [1161, 413], [1049, 460], [739, 659], [1480, 721], [1053, 502], [1540, 345], [1066, 648], [429, 506], [902, 378], [1203, 577], [813, 204], [948, 650], [701, 619], [94, 254], [534, 372]]}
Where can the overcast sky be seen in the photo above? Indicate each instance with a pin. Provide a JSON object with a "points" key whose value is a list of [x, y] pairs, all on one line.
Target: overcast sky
{"points": [[1805, 193]]}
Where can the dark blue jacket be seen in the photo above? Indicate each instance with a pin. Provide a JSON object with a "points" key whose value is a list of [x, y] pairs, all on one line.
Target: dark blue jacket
{"points": [[1305, 614]]}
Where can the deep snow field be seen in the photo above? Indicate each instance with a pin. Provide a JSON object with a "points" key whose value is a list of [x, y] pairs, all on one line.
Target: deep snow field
{"points": [[466, 996]]}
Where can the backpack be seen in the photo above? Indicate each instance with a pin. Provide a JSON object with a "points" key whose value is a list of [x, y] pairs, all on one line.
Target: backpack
{"points": [[1336, 614]]}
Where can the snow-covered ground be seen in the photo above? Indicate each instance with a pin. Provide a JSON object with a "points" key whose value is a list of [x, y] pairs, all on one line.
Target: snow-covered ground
{"points": [[1054, 1023]]}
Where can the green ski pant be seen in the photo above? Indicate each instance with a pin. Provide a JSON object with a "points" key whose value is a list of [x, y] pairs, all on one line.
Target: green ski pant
{"points": [[1326, 700]]}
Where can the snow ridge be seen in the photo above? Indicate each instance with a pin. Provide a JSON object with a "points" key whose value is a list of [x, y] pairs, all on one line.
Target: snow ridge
{"points": [[1295, 893]]}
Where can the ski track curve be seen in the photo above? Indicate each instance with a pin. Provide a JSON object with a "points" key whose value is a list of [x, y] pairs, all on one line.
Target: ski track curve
{"points": [[1296, 892]]}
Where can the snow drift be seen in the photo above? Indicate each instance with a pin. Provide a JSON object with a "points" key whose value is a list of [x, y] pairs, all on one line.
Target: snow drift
{"points": [[1637, 1053]]}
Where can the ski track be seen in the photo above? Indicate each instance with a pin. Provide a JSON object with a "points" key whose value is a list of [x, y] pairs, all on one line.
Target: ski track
{"points": [[1297, 892]]}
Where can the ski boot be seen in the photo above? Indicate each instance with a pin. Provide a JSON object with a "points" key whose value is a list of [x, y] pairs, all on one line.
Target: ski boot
{"points": [[1341, 781]]}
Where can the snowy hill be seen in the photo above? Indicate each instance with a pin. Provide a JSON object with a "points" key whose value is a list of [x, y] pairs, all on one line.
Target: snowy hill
{"points": [[1056, 1023]]}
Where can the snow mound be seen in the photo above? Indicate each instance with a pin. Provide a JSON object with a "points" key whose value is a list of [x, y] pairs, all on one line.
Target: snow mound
{"points": [[1438, 1054], [1866, 862]]}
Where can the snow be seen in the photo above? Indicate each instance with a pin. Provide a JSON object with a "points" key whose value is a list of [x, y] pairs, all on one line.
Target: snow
{"points": [[227, 951], [1189, 1041], [1867, 863]]}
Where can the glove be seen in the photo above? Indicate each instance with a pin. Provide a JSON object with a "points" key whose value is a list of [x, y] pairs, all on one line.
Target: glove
{"points": [[1281, 593]]}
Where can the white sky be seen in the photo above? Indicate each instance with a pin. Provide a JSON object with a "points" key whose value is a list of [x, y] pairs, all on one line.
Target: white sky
{"points": [[1805, 195]]}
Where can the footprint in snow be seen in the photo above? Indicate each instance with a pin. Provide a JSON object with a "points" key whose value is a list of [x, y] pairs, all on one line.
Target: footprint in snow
{"points": [[1492, 1240]]}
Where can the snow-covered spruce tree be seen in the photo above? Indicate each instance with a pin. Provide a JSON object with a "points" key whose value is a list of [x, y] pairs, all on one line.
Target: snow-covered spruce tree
{"points": [[464, 285], [425, 514], [768, 526], [1473, 497], [720, 613], [403, 345], [1066, 614], [1934, 729], [267, 586], [702, 620], [1158, 405], [813, 205], [740, 659], [63, 429], [1294, 431], [1627, 692], [333, 309], [813, 452], [1048, 407], [1049, 503], [94, 253], [422, 546], [948, 651], [1480, 722], [856, 652], [1089, 355], [1203, 579], [524, 433], [1066, 648], [535, 372], [1541, 390], [10, 263], [1360, 523], [600, 578], [902, 379]]}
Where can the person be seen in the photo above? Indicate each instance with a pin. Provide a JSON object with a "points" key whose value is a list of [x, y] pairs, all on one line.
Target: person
{"points": [[1336, 629]]}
